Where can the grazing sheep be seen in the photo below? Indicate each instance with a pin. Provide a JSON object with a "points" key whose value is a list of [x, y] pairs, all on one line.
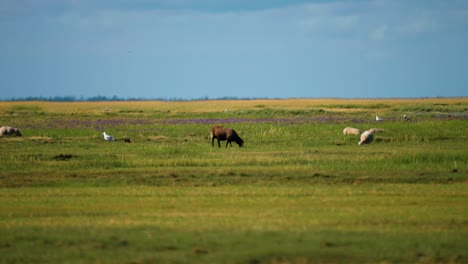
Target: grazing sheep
{"points": [[351, 131], [366, 137], [222, 133], [9, 131], [108, 137], [376, 130]]}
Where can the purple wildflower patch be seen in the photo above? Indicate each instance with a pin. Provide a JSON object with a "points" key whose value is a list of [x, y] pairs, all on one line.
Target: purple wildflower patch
{"points": [[210, 121], [97, 124]]}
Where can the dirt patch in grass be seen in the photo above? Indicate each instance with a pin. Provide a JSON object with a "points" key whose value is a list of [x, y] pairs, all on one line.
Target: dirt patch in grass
{"points": [[63, 157]]}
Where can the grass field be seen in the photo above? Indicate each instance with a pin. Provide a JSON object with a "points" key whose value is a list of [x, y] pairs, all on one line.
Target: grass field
{"points": [[299, 191]]}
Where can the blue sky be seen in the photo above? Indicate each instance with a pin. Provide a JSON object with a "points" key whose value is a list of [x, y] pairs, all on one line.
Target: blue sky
{"points": [[191, 49]]}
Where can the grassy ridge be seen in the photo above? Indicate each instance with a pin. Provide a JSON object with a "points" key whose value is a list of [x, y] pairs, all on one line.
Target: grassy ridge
{"points": [[298, 192]]}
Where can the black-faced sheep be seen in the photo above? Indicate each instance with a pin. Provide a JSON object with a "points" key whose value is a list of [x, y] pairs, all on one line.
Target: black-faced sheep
{"points": [[222, 133]]}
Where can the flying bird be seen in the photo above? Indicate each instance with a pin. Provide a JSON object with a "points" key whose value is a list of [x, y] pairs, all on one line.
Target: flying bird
{"points": [[108, 137]]}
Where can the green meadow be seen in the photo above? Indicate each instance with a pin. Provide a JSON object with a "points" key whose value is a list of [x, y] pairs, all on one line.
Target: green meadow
{"points": [[298, 191]]}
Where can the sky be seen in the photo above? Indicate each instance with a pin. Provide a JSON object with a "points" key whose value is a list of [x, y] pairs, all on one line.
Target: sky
{"points": [[192, 49]]}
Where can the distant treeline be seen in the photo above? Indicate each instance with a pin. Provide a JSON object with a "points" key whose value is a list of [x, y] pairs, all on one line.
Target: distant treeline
{"points": [[114, 98]]}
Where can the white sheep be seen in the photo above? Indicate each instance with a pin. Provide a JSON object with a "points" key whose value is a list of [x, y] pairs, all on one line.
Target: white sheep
{"points": [[9, 131], [351, 131], [375, 130], [367, 137]]}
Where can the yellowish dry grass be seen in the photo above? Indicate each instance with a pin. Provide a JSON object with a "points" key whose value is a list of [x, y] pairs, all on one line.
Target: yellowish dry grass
{"points": [[215, 105]]}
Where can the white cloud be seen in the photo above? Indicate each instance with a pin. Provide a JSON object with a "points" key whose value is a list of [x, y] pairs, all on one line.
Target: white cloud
{"points": [[376, 55], [381, 3], [420, 25], [326, 17], [378, 33], [330, 23]]}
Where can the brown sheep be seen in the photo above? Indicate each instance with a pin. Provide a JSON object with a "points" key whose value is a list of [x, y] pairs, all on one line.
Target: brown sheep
{"points": [[9, 131], [222, 133]]}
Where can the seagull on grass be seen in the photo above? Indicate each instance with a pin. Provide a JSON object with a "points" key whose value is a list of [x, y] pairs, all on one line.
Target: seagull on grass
{"points": [[378, 119], [108, 137]]}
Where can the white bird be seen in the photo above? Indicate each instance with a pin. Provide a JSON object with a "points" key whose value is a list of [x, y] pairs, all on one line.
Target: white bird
{"points": [[107, 109], [378, 119], [404, 116], [108, 137]]}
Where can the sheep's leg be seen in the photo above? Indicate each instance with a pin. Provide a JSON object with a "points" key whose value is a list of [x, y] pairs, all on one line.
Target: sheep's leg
{"points": [[219, 144]]}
